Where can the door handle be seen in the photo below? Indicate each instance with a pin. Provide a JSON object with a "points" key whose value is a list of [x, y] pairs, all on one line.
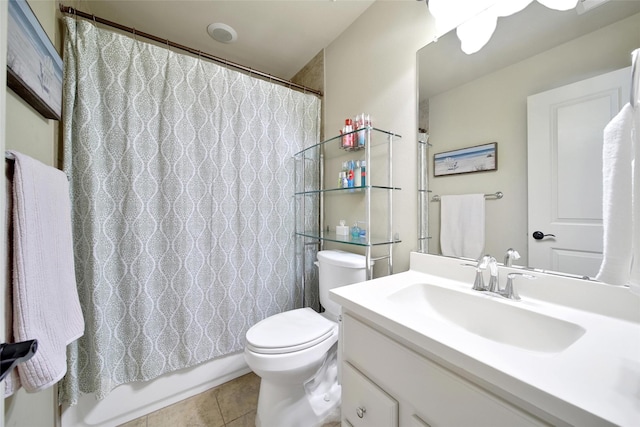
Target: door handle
{"points": [[539, 235]]}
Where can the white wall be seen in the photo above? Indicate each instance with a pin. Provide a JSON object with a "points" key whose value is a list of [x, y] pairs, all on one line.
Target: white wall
{"points": [[493, 108], [28, 132], [371, 68]]}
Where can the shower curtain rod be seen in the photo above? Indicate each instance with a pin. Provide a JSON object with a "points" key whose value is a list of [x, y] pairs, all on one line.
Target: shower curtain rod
{"points": [[72, 11]]}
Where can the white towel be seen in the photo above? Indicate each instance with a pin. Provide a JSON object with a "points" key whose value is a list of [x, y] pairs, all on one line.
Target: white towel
{"points": [[45, 298], [634, 279], [462, 225], [621, 207]]}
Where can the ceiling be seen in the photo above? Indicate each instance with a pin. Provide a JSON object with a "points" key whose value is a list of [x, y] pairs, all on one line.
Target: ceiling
{"points": [[274, 36], [517, 37]]}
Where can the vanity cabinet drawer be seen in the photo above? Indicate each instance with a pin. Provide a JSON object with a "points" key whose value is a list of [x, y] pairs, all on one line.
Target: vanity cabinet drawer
{"points": [[364, 404], [424, 389]]}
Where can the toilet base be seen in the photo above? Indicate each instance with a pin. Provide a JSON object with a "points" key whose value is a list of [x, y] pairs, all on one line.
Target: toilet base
{"points": [[287, 405]]}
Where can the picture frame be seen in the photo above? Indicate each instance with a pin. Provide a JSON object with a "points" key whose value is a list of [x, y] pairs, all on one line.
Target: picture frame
{"points": [[479, 158], [34, 67]]}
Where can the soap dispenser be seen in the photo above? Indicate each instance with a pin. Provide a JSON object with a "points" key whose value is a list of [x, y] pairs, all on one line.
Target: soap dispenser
{"points": [[355, 231]]}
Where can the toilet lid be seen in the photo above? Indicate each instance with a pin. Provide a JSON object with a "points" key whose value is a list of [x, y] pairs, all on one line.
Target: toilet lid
{"points": [[289, 331]]}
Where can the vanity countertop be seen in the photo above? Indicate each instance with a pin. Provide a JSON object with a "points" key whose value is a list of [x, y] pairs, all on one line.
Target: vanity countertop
{"points": [[593, 381]]}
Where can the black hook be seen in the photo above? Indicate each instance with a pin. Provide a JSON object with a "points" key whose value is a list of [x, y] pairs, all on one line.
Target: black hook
{"points": [[14, 353]]}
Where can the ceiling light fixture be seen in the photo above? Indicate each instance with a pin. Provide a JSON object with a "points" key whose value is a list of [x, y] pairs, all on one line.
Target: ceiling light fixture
{"points": [[476, 20], [222, 33], [587, 5]]}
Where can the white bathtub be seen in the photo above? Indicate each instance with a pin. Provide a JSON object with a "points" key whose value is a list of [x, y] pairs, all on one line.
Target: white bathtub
{"points": [[130, 401]]}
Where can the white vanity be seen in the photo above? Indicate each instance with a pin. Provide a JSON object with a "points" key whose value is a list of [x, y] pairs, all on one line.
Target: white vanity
{"points": [[421, 348]]}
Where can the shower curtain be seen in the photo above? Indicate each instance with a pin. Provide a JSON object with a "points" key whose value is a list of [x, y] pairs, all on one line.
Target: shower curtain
{"points": [[182, 180]]}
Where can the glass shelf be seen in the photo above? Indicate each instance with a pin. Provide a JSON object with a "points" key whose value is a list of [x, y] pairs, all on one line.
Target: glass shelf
{"points": [[331, 236], [329, 156], [346, 190], [337, 139]]}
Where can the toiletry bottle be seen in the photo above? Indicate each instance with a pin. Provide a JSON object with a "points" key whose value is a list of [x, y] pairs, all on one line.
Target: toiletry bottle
{"points": [[350, 174], [348, 139], [363, 174], [355, 231], [363, 229], [357, 175], [360, 120], [344, 175]]}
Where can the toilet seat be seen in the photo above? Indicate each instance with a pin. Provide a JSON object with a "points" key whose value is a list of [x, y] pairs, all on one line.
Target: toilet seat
{"points": [[289, 331]]}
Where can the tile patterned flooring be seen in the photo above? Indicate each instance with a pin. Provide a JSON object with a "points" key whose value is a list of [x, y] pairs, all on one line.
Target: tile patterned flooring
{"points": [[231, 404]]}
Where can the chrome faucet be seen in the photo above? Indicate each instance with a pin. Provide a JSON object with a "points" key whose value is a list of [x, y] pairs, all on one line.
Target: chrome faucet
{"points": [[510, 256], [489, 262], [478, 283], [510, 291], [494, 280]]}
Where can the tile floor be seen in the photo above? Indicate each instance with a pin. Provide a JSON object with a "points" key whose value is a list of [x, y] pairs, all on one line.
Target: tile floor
{"points": [[232, 404]]}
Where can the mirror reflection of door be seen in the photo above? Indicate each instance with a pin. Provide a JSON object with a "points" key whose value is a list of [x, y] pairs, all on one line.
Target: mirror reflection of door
{"points": [[470, 99], [565, 133]]}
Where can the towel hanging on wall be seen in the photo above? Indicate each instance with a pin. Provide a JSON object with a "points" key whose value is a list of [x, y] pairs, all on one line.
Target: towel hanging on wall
{"points": [[462, 225], [621, 192], [45, 298]]}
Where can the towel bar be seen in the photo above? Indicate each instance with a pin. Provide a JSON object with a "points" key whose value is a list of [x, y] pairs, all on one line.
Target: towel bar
{"points": [[10, 156], [635, 77], [496, 195]]}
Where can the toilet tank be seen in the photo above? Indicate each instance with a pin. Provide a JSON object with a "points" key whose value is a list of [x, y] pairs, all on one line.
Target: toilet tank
{"points": [[338, 268]]}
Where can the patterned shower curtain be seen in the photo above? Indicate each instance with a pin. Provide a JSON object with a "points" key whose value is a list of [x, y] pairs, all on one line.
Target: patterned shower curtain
{"points": [[182, 180]]}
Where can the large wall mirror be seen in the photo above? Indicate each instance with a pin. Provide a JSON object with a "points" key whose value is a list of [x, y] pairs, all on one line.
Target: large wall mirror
{"points": [[470, 100]]}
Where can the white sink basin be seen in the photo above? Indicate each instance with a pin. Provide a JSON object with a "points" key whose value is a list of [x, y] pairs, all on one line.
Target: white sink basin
{"points": [[490, 318]]}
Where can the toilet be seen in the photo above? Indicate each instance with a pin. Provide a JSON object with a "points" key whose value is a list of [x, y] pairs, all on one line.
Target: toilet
{"points": [[295, 352]]}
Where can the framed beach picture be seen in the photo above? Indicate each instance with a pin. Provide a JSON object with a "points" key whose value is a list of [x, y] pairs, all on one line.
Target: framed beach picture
{"points": [[480, 158], [34, 68]]}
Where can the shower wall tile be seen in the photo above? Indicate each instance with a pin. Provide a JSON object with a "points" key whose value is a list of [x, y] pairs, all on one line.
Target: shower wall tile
{"points": [[312, 76]]}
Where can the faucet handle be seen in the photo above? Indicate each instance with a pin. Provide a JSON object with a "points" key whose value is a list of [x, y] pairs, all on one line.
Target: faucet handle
{"points": [[494, 281], [483, 261], [510, 291], [510, 256], [478, 283]]}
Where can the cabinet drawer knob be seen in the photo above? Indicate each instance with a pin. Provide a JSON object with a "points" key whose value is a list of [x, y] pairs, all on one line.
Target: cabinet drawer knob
{"points": [[360, 411]]}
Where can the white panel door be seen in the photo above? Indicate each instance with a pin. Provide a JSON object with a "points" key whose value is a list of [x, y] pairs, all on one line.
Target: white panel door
{"points": [[565, 130]]}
